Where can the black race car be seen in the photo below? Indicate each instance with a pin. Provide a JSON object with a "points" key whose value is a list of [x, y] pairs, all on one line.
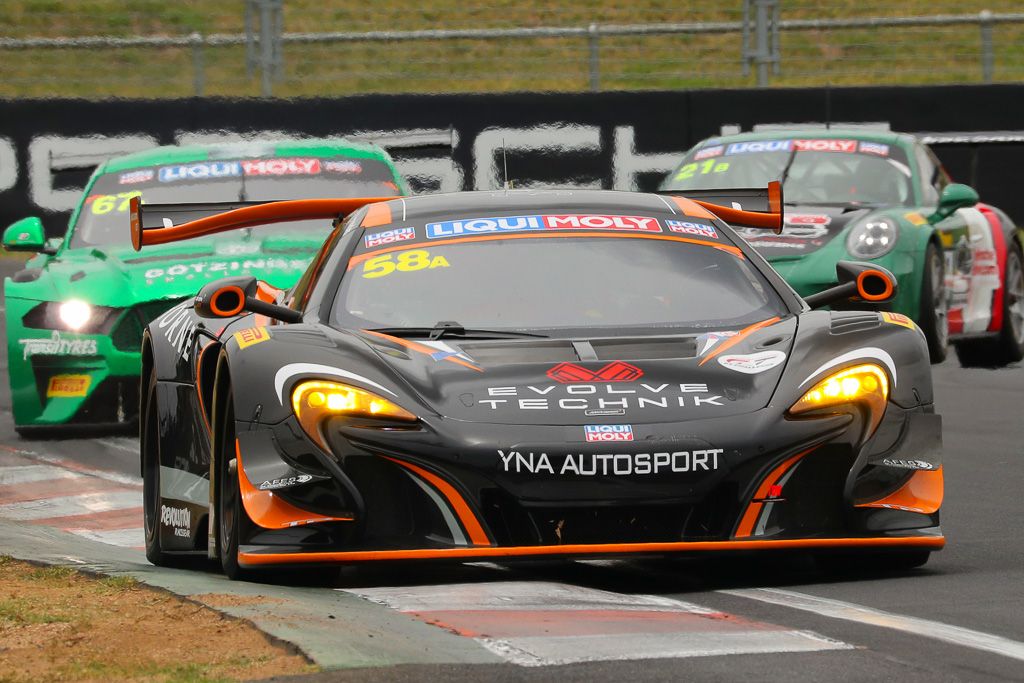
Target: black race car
{"points": [[531, 374]]}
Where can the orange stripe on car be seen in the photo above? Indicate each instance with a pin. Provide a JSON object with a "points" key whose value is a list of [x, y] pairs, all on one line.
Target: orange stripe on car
{"points": [[270, 511], [359, 258], [922, 493], [422, 348], [596, 550], [691, 208], [476, 532], [753, 511], [377, 214], [736, 339]]}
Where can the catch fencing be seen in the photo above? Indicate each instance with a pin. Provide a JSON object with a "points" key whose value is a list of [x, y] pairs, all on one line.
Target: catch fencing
{"points": [[763, 46]]}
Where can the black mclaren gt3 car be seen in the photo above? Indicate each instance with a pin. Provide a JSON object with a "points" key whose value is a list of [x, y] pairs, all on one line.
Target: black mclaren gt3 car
{"points": [[500, 375]]}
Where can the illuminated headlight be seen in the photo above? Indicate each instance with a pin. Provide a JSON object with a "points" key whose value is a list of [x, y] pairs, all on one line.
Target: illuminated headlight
{"points": [[75, 314], [314, 401], [866, 385], [873, 238]]}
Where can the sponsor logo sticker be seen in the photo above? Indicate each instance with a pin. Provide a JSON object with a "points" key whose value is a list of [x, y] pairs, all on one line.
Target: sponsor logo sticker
{"points": [[280, 167], [909, 464], [752, 363], [691, 228], [179, 519], [899, 319], [915, 218], [68, 386], [807, 219], [141, 176], [273, 484], [55, 345], [608, 432], [825, 145], [759, 146], [499, 224], [709, 152], [874, 148], [346, 166], [251, 336], [390, 236], [605, 464], [616, 371], [200, 171]]}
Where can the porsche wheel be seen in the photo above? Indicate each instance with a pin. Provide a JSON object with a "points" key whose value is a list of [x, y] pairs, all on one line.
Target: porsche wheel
{"points": [[1008, 347], [934, 310]]}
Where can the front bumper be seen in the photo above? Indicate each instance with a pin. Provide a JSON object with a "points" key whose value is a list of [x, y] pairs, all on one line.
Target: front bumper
{"points": [[415, 496]]}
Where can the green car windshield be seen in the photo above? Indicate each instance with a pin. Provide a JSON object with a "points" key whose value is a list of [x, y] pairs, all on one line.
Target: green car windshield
{"points": [[563, 283], [822, 171], [103, 218]]}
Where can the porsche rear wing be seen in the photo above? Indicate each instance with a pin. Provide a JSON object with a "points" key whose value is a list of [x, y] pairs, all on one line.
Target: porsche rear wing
{"points": [[162, 223], [741, 208]]}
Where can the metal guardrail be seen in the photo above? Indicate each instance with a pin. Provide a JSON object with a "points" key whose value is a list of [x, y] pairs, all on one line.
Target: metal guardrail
{"points": [[593, 33]]}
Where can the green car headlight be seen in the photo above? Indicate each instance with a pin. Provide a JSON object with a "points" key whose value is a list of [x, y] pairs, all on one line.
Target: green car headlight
{"points": [[872, 238], [73, 315]]}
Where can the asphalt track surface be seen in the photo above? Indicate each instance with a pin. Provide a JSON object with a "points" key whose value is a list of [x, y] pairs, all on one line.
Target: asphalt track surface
{"points": [[960, 618]]}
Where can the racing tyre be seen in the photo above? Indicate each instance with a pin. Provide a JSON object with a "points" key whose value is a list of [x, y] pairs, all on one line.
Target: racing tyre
{"points": [[150, 447], [934, 311], [231, 518], [1008, 347]]}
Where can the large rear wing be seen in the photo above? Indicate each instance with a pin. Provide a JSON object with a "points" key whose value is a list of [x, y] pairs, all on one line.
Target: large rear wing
{"points": [[163, 223], [741, 208]]}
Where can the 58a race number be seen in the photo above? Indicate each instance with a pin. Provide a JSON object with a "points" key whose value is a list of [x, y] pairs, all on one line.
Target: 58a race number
{"points": [[406, 262]]}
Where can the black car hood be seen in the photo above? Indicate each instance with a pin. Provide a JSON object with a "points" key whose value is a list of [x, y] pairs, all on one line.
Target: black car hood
{"points": [[807, 229], [636, 380]]}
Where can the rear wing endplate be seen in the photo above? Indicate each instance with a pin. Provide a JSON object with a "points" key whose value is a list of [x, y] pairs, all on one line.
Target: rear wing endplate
{"points": [[163, 223], [741, 208]]}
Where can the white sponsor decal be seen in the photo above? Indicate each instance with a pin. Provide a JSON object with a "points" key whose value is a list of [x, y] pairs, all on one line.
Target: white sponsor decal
{"points": [[752, 363], [605, 464], [909, 464], [223, 268], [179, 519], [601, 397], [178, 327], [285, 482], [57, 346]]}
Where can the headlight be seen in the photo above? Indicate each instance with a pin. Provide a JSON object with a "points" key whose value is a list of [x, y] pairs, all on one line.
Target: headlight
{"points": [[314, 401], [75, 314], [865, 384], [873, 238]]}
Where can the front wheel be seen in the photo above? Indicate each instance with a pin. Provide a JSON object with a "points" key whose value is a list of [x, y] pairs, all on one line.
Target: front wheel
{"points": [[934, 308], [1008, 347], [231, 517], [149, 445]]}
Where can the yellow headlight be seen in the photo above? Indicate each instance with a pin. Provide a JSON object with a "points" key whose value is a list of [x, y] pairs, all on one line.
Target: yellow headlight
{"points": [[866, 384], [315, 400]]}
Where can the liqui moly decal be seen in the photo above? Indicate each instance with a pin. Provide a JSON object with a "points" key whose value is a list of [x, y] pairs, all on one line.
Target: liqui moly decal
{"points": [[500, 224], [691, 228], [608, 432], [280, 167], [825, 145], [759, 146], [379, 239]]}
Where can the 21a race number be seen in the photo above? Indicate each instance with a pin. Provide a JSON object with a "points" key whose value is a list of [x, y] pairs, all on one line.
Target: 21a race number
{"points": [[406, 262]]}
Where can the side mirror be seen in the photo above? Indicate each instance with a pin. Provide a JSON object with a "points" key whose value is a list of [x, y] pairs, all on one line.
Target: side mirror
{"points": [[231, 296], [25, 235], [857, 280], [954, 196]]}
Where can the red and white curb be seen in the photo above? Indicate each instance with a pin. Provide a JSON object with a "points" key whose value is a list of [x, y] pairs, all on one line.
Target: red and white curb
{"points": [[536, 623], [49, 491]]}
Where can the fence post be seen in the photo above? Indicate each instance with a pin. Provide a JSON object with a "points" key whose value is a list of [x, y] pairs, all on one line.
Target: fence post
{"points": [[198, 65], [987, 56], [761, 31], [595, 57], [266, 49]]}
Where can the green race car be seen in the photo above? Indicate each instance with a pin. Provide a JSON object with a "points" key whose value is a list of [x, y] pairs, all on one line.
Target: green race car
{"points": [[76, 312], [881, 197]]}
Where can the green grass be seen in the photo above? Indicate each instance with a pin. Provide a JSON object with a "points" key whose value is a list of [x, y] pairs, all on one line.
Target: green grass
{"points": [[21, 612], [910, 55]]}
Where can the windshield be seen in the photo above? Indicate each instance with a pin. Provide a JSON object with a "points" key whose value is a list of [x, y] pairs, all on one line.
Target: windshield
{"points": [[103, 219], [570, 282], [827, 171]]}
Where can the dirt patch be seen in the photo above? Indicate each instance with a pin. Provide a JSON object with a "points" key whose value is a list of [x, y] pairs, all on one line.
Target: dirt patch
{"points": [[59, 625], [227, 600]]}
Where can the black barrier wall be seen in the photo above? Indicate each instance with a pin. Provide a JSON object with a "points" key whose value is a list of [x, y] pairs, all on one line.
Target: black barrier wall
{"points": [[615, 140]]}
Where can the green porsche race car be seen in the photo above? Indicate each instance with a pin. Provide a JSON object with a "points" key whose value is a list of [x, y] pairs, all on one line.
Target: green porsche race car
{"points": [[76, 312], [882, 197]]}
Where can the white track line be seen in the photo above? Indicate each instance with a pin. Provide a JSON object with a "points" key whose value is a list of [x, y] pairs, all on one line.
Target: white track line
{"points": [[27, 474], [126, 538], [123, 444], [837, 609]]}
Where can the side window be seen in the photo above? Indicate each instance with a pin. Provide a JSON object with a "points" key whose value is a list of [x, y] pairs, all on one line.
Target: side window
{"points": [[933, 177], [300, 294]]}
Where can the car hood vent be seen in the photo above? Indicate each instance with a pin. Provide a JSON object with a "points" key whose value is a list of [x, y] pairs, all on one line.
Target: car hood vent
{"points": [[854, 321], [645, 349], [503, 352], [492, 353]]}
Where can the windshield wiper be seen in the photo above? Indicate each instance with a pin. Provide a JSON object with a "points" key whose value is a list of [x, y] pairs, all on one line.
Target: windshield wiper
{"points": [[453, 329]]}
